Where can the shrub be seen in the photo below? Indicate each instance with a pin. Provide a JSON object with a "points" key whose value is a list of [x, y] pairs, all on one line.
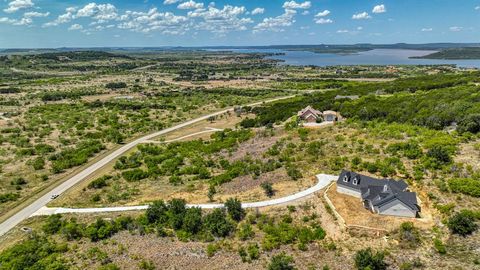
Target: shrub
{"points": [[465, 186], [294, 173], [115, 85], [367, 259], [53, 224], [409, 234], [281, 262], [216, 223], [192, 222], [35, 253], [147, 265], [99, 182], [268, 189], [156, 212], [253, 251], [462, 223], [134, 175], [234, 209], [7, 197], [245, 231], [211, 249], [439, 246]]}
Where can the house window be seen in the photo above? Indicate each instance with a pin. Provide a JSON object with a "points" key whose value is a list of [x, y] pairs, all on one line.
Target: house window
{"points": [[345, 178], [355, 180], [385, 188]]}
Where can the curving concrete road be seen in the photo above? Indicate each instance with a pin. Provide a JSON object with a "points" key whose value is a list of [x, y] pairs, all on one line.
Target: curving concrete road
{"points": [[323, 181], [42, 201]]}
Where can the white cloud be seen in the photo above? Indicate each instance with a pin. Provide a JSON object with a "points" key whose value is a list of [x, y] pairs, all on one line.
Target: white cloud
{"points": [[35, 14], [22, 21], [359, 28], [16, 5], [427, 29], [75, 27], [258, 11], [169, 2], [456, 28], [276, 24], [63, 18], [379, 9], [323, 13], [361, 16], [146, 22], [190, 5], [221, 21], [102, 12], [294, 5], [342, 31], [477, 8], [323, 21]]}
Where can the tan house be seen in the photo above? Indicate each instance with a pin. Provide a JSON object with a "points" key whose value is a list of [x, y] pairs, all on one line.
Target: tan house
{"points": [[310, 115]]}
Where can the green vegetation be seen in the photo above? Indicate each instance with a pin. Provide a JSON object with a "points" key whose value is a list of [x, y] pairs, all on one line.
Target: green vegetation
{"points": [[463, 223], [281, 262], [367, 259], [455, 54]]}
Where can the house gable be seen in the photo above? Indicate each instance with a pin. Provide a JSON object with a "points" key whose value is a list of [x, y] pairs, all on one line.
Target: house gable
{"points": [[396, 208]]}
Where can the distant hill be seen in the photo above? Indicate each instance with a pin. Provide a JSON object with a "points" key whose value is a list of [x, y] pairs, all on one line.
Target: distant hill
{"points": [[455, 54]]}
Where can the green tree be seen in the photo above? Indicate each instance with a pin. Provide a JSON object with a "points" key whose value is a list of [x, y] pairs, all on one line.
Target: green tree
{"points": [[234, 209], [462, 223], [156, 212], [216, 223], [192, 221]]}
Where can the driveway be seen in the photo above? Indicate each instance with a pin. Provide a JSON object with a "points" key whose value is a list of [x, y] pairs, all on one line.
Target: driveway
{"points": [[323, 181]]}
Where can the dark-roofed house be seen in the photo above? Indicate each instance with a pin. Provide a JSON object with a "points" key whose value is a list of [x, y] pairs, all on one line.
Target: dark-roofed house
{"points": [[381, 196]]}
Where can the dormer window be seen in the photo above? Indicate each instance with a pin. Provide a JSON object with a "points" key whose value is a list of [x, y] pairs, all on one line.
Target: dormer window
{"points": [[355, 180], [385, 188], [345, 178]]}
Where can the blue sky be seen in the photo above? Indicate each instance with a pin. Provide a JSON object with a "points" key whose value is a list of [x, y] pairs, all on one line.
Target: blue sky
{"points": [[61, 23]]}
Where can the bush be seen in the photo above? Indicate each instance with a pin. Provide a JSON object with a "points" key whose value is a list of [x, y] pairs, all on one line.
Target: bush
{"points": [[216, 223], [192, 222], [462, 223], [134, 175], [245, 231], [7, 197], [53, 224], [234, 209], [211, 249], [268, 189], [35, 253], [281, 262], [367, 259], [115, 85], [99, 182], [439, 246], [467, 186]]}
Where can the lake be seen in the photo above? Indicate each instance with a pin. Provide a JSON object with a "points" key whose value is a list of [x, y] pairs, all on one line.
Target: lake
{"points": [[372, 57]]}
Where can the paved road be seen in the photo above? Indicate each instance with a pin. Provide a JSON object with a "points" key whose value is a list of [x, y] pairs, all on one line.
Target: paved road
{"points": [[42, 201], [323, 181]]}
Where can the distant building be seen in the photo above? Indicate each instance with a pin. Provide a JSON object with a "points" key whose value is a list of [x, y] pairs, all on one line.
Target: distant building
{"points": [[330, 116], [346, 97], [310, 115], [381, 196]]}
